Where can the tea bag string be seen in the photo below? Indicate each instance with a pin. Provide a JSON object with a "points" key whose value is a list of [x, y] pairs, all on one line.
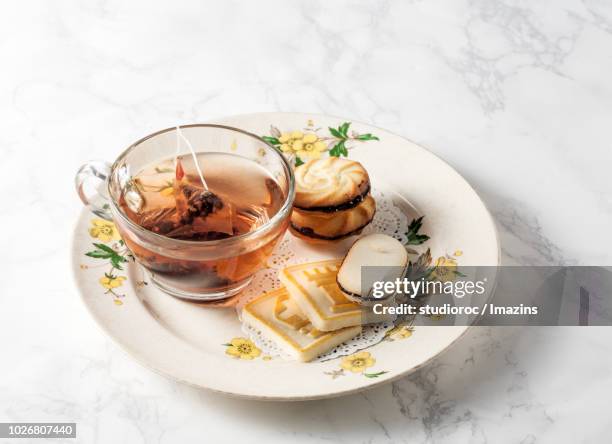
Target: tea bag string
{"points": [[179, 136]]}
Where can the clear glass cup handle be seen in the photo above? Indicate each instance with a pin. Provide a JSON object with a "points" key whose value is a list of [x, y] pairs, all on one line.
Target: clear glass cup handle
{"points": [[90, 183]]}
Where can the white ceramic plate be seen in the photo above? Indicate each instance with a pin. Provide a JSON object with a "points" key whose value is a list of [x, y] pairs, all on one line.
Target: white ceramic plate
{"points": [[190, 343]]}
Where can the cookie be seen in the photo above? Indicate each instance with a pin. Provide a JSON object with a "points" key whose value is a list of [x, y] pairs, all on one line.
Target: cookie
{"points": [[314, 289], [280, 320], [387, 258], [330, 185], [321, 226]]}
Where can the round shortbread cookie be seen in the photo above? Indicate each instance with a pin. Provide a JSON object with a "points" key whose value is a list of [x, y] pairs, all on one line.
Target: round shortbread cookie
{"points": [[331, 184]]}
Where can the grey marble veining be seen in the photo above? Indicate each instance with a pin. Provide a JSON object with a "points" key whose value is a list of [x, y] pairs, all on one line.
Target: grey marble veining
{"points": [[514, 94]]}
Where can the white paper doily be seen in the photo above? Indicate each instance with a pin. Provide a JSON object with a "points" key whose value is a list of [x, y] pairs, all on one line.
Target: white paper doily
{"points": [[389, 219]]}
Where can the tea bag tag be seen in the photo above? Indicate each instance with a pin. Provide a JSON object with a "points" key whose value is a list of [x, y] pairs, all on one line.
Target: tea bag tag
{"points": [[202, 209], [180, 135]]}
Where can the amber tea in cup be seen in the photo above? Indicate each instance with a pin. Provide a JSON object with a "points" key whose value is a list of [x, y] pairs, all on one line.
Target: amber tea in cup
{"points": [[201, 237], [240, 197]]}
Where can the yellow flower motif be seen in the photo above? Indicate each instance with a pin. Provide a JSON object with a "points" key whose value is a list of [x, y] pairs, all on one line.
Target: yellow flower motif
{"points": [[112, 282], [310, 138], [445, 269], [457, 253], [400, 332], [358, 362], [242, 348], [104, 230], [303, 145]]}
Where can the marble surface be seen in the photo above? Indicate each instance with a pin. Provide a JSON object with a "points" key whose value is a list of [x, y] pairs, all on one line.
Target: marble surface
{"points": [[514, 94]]}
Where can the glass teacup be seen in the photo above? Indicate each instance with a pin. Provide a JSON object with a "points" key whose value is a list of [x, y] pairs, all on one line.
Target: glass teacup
{"points": [[248, 190]]}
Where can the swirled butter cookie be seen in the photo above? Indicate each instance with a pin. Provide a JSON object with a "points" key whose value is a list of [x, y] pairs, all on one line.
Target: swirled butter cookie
{"points": [[330, 185], [332, 200]]}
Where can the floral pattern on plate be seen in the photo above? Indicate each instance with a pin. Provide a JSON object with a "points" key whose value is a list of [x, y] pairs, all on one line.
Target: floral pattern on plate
{"points": [[356, 363], [311, 142], [114, 254]]}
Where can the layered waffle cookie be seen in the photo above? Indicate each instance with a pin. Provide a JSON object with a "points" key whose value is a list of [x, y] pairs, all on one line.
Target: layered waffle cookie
{"points": [[332, 199], [314, 289], [279, 319]]}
